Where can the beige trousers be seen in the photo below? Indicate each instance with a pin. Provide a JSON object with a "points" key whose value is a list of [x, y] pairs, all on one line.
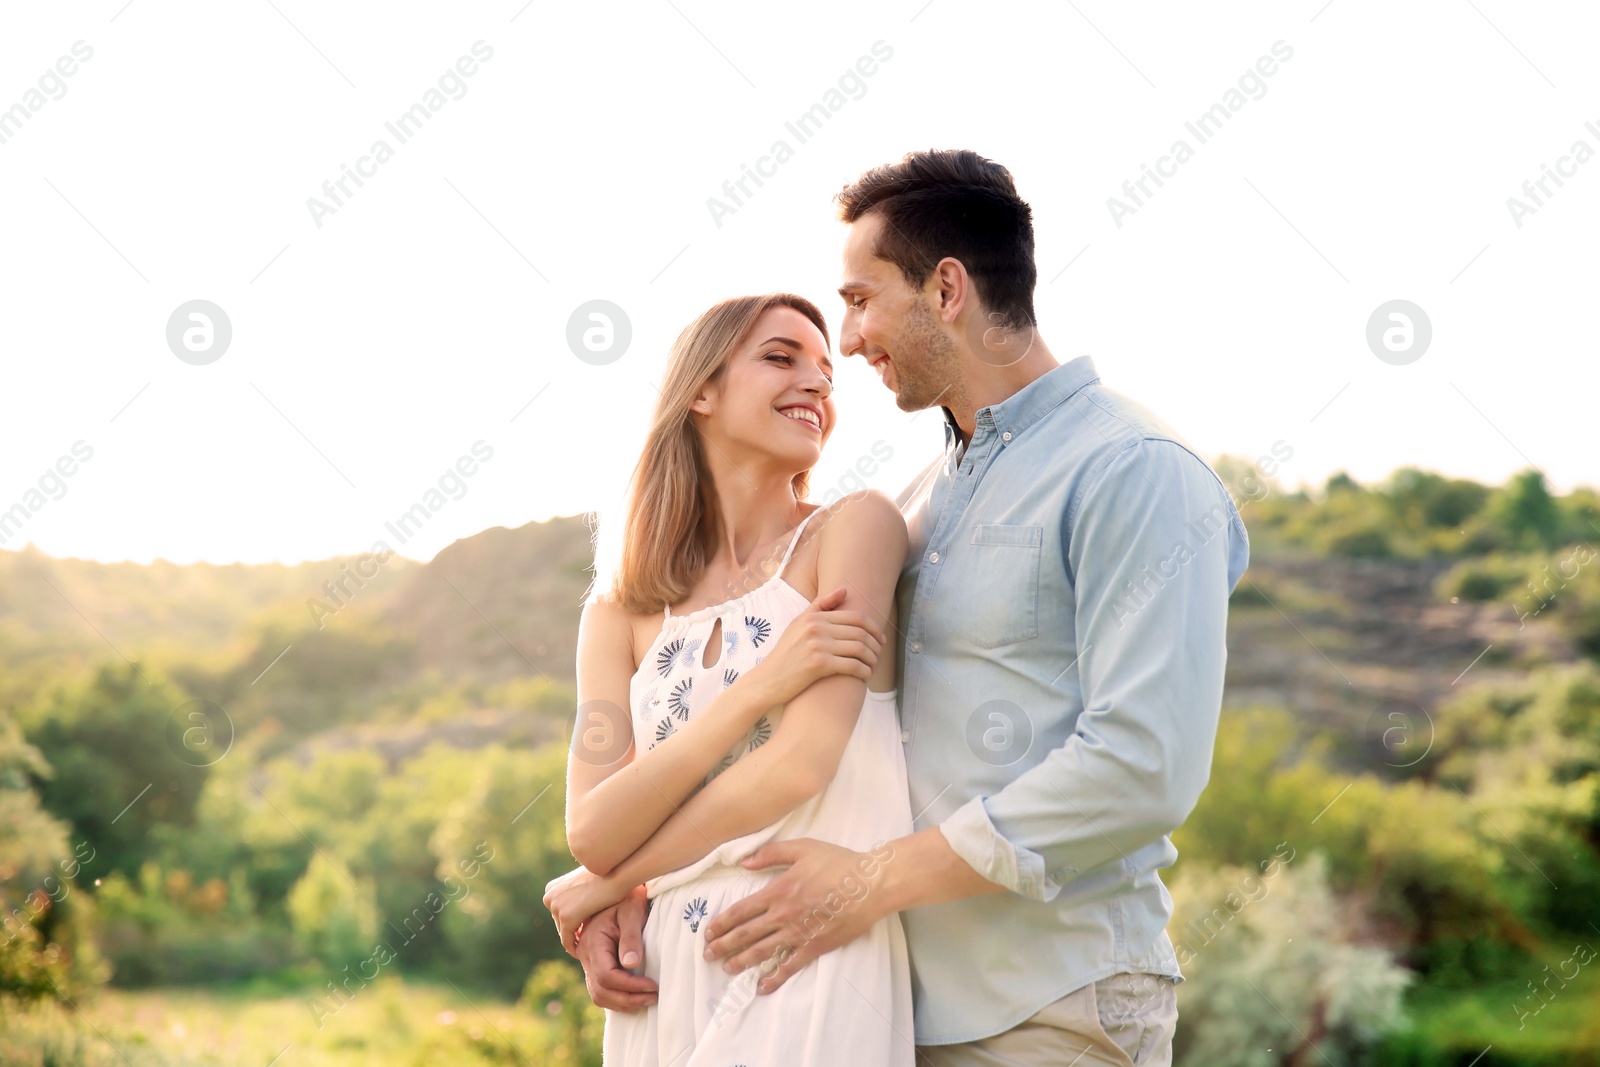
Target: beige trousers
{"points": [[1126, 1020]]}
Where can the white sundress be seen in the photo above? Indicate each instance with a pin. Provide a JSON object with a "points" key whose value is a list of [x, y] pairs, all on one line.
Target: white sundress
{"points": [[849, 1006]]}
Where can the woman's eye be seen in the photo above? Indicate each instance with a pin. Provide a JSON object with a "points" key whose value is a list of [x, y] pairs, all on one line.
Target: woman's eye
{"points": [[781, 355]]}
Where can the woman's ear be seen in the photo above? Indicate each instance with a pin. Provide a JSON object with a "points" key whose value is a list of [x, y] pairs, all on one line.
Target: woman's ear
{"points": [[705, 401]]}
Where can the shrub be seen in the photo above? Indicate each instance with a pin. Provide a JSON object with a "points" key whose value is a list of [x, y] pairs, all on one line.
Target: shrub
{"points": [[1283, 981], [333, 914]]}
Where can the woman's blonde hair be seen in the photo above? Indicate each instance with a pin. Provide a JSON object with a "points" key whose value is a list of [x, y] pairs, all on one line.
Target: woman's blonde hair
{"points": [[671, 524]]}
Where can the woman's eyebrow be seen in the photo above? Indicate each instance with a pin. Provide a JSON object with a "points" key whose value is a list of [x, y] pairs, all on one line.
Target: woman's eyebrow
{"points": [[792, 343]]}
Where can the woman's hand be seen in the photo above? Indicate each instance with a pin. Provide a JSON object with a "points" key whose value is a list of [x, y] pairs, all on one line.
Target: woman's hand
{"points": [[576, 897], [822, 640]]}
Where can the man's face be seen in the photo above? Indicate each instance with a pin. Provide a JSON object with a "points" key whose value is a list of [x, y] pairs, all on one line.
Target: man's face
{"points": [[892, 326]]}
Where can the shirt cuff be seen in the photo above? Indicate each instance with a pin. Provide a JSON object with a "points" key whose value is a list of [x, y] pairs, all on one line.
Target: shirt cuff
{"points": [[973, 837]]}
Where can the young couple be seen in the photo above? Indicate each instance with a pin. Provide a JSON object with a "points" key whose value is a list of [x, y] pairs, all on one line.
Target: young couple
{"points": [[884, 782]]}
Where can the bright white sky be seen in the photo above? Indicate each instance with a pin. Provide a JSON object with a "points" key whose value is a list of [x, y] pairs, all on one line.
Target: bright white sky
{"points": [[372, 352]]}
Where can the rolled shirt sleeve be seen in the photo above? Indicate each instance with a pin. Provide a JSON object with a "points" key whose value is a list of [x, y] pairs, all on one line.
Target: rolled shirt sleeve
{"points": [[1153, 547]]}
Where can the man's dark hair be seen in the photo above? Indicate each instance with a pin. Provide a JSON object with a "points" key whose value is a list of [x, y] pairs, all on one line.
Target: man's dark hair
{"points": [[952, 203]]}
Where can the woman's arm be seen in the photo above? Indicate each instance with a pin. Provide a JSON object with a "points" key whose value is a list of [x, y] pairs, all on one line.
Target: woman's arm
{"points": [[617, 798], [862, 547]]}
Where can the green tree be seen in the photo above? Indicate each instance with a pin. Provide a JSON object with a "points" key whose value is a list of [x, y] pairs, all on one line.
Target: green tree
{"points": [[503, 840], [117, 773], [44, 942], [333, 913], [1528, 511]]}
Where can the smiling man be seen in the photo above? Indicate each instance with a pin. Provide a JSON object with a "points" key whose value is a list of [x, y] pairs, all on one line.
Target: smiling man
{"points": [[1061, 650]]}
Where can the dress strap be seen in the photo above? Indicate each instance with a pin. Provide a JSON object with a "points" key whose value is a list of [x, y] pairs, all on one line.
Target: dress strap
{"points": [[798, 530]]}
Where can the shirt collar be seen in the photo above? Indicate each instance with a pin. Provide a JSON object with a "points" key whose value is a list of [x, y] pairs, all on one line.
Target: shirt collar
{"points": [[1031, 403]]}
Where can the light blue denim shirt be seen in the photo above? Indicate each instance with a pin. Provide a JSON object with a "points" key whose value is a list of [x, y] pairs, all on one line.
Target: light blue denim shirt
{"points": [[1062, 614]]}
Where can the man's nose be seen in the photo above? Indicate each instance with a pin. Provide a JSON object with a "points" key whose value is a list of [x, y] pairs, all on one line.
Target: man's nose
{"points": [[850, 341]]}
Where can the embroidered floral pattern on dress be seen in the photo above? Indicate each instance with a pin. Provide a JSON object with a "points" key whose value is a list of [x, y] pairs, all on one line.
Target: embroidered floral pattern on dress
{"points": [[674, 652], [646, 702], [759, 734], [664, 730], [755, 630], [678, 699]]}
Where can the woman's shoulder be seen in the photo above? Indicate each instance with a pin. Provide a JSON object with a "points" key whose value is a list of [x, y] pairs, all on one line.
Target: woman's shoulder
{"points": [[863, 513], [606, 624], [863, 523]]}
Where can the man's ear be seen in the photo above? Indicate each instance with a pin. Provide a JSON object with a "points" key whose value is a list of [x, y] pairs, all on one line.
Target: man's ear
{"points": [[953, 286]]}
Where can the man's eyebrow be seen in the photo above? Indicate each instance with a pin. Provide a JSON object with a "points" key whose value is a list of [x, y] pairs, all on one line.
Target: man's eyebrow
{"points": [[851, 287]]}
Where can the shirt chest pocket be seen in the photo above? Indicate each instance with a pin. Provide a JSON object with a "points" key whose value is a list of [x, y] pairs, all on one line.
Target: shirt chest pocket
{"points": [[1004, 606]]}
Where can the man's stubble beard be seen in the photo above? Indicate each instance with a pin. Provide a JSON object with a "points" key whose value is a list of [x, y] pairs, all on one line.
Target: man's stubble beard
{"points": [[935, 375]]}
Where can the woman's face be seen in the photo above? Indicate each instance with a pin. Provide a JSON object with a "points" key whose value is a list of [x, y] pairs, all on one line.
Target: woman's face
{"points": [[774, 395]]}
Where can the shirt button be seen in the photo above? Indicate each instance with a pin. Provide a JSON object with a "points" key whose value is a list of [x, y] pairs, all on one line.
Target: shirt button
{"points": [[1006, 436], [933, 558], [916, 646], [905, 735]]}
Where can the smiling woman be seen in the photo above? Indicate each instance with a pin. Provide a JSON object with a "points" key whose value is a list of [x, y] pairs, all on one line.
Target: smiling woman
{"points": [[667, 544], [756, 709]]}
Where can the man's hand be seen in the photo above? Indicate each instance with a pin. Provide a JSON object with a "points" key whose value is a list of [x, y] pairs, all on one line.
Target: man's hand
{"points": [[825, 899], [578, 896], [613, 942]]}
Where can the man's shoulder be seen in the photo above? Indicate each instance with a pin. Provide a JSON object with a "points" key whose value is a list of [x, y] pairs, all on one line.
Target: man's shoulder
{"points": [[1114, 419], [1109, 424]]}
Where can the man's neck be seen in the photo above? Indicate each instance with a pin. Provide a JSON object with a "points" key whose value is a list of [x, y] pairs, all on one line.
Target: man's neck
{"points": [[996, 384]]}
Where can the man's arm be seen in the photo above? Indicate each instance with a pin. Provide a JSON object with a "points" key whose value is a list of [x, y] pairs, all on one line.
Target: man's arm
{"points": [[1152, 555], [1150, 669]]}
